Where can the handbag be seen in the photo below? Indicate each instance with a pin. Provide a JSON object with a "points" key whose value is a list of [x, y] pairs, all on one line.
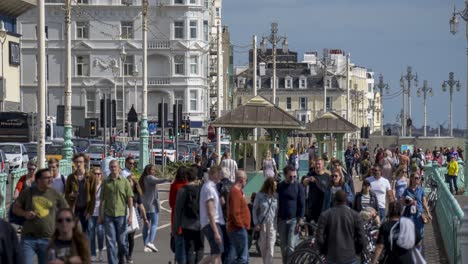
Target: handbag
{"points": [[16, 219], [135, 226]]}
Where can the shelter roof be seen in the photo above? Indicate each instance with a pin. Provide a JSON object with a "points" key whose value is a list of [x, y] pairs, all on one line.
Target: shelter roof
{"points": [[258, 112], [15, 7], [330, 122]]}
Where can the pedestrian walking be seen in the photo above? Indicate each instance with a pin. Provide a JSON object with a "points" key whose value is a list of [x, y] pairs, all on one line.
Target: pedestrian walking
{"points": [[95, 230], [27, 180], [149, 186], [38, 205], [381, 187], [387, 166], [366, 198], [269, 166], [264, 214], [187, 218], [129, 165], [10, 249], [291, 206], [80, 190], [116, 196], [179, 182], [452, 173], [336, 184], [294, 160], [106, 161], [59, 180], [400, 183], [365, 166], [224, 187], [389, 235], [415, 203], [200, 169], [318, 183], [230, 166], [211, 216], [138, 209], [68, 244], [238, 221], [349, 158], [340, 232]]}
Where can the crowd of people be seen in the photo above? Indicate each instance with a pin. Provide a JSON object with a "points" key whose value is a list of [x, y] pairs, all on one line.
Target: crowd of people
{"points": [[64, 217]]}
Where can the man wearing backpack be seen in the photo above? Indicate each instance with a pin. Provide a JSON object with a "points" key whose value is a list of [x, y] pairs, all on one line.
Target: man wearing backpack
{"points": [[187, 218], [58, 181]]}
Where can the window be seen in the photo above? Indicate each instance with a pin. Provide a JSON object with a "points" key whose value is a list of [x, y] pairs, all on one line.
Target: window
{"points": [[241, 82], [90, 105], [179, 64], [207, 3], [82, 30], [369, 87], [82, 1], [303, 118], [303, 103], [259, 82], [126, 27], [329, 83], [179, 29], [329, 103], [271, 82], [82, 65], [127, 2], [46, 32], [205, 30], [193, 29], [288, 103], [193, 2], [288, 82], [302, 83], [129, 65], [193, 65], [218, 12], [14, 50], [193, 100], [179, 2]]}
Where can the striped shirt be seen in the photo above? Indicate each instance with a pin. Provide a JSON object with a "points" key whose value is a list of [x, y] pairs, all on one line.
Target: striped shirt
{"points": [[230, 167]]}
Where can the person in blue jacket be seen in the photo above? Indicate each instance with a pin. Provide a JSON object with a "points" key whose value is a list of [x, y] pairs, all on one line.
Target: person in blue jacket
{"points": [[337, 183]]}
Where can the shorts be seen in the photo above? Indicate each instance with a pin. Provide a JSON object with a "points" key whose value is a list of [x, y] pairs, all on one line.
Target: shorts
{"points": [[215, 248]]}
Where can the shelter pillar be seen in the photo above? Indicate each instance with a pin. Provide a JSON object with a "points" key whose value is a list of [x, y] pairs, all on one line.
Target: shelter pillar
{"points": [[320, 138], [283, 140], [339, 147]]}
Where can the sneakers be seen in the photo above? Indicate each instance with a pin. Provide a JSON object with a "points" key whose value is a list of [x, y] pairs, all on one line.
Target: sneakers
{"points": [[100, 256], [129, 260], [152, 247], [93, 259], [147, 249]]}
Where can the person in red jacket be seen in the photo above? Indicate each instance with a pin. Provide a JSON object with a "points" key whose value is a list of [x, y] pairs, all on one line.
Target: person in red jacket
{"points": [[179, 182], [238, 222]]}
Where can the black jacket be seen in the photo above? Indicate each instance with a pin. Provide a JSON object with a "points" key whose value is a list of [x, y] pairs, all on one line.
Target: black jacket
{"points": [[340, 234], [10, 251], [373, 202]]}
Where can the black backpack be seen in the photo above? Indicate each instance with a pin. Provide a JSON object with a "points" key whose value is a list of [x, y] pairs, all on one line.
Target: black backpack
{"points": [[192, 197]]}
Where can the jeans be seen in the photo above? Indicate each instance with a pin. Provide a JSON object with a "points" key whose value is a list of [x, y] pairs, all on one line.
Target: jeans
{"points": [[34, 246], [180, 255], [149, 235], [80, 213], [239, 252], [382, 214], [453, 182], [193, 241], [116, 228], [130, 243], [267, 241], [95, 229], [288, 237]]}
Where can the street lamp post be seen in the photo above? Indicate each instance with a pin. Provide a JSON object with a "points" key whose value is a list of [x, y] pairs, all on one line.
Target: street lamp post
{"points": [[123, 57], [410, 78], [67, 150], [144, 152], [451, 82], [3, 34], [382, 86], [274, 39], [425, 89], [135, 97]]}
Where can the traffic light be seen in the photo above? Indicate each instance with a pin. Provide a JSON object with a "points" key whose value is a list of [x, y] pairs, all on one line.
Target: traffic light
{"points": [[362, 132], [187, 125], [47, 130], [162, 118], [92, 128], [171, 134], [182, 126]]}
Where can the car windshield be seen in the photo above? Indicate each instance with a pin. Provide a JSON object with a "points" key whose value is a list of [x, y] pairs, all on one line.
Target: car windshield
{"points": [[158, 145], [54, 150], [183, 149], [96, 149], [11, 149], [31, 148], [133, 146], [81, 143]]}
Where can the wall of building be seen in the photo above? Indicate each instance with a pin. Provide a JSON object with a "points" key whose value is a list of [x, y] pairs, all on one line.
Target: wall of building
{"points": [[10, 71]]}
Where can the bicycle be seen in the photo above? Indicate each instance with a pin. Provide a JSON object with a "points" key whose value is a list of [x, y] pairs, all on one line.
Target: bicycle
{"points": [[306, 251], [432, 196]]}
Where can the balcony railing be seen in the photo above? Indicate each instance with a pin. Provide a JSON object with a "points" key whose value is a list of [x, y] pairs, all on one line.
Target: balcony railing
{"points": [[159, 81], [154, 44]]}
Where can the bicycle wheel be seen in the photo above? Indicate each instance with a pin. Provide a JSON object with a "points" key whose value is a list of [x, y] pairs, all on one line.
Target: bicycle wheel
{"points": [[306, 243], [431, 201], [306, 256]]}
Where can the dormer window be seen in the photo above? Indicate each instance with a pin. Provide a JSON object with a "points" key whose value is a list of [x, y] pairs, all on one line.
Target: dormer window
{"points": [[271, 82], [302, 82], [241, 82], [329, 83], [288, 82]]}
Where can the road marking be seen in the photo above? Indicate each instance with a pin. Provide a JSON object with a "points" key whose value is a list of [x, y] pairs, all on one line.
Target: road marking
{"points": [[162, 207], [141, 234]]}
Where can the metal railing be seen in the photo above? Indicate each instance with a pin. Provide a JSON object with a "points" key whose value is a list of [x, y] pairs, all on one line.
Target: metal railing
{"points": [[3, 181], [448, 212]]}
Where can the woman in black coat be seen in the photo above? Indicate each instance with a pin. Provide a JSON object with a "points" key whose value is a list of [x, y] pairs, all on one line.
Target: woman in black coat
{"points": [[365, 198]]}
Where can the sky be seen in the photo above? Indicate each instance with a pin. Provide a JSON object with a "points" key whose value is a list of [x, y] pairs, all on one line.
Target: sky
{"points": [[385, 36]]}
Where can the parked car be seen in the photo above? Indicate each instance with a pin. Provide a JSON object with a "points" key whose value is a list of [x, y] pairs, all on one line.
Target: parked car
{"points": [[54, 151], [132, 149], [169, 149], [16, 154], [31, 147], [4, 165], [95, 153], [187, 152], [81, 144]]}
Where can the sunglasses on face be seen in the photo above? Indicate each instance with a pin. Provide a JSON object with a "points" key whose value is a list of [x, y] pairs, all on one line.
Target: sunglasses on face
{"points": [[335, 176], [416, 178], [131, 163], [66, 220], [31, 169], [97, 173]]}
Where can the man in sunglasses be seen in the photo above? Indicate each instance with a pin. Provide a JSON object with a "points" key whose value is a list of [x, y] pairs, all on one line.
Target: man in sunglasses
{"points": [[318, 183], [129, 165], [381, 187], [291, 207], [38, 205]]}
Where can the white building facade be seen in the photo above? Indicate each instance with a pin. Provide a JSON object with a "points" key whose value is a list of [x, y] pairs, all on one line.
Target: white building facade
{"points": [[102, 32]]}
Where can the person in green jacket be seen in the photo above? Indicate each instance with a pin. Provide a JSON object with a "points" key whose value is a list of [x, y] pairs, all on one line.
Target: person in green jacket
{"points": [[452, 172]]}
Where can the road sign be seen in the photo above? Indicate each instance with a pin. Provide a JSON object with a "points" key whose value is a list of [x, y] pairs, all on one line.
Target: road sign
{"points": [[152, 127]]}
